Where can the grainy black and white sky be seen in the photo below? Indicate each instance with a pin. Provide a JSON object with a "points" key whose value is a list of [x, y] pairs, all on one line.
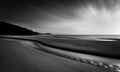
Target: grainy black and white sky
{"points": [[64, 16]]}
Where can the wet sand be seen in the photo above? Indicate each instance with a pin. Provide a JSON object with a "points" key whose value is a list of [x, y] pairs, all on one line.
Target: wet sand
{"points": [[20, 55]]}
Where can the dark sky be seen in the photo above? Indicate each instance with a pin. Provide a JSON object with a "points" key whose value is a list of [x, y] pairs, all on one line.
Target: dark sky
{"points": [[64, 16]]}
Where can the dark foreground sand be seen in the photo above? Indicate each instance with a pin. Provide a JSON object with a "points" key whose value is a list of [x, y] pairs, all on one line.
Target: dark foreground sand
{"points": [[23, 56]]}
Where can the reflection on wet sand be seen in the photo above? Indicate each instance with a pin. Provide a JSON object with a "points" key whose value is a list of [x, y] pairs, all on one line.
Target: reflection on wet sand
{"points": [[30, 54]]}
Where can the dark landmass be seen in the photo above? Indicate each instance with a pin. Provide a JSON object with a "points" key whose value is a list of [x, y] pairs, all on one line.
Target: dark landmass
{"points": [[10, 29]]}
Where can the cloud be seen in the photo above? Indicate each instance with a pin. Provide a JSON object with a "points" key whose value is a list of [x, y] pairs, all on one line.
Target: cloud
{"points": [[82, 17]]}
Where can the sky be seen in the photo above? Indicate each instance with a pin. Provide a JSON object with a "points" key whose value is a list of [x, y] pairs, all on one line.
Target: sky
{"points": [[64, 16]]}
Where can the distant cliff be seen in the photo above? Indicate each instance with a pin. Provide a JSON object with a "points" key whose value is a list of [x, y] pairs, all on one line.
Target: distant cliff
{"points": [[9, 29]]}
